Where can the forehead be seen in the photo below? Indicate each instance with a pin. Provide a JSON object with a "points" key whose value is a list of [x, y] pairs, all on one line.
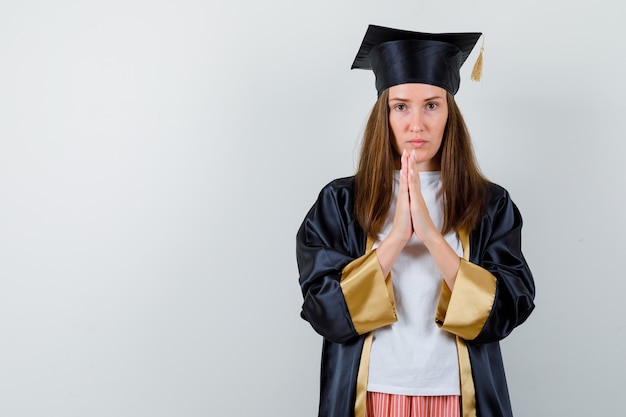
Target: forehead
{"points": [[416, 91]]}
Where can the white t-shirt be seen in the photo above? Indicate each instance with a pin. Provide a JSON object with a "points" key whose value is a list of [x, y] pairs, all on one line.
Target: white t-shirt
{"points": [[413, 356]]}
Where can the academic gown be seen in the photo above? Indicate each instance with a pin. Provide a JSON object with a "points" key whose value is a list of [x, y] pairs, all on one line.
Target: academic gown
{"points": [[346, 297]]}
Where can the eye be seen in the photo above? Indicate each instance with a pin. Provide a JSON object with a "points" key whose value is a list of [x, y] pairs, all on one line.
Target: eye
{"points": [[400, 107], [431, 106]]}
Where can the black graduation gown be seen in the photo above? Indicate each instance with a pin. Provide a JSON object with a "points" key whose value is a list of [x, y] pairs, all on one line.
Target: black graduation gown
{"points": [[499, 286]]}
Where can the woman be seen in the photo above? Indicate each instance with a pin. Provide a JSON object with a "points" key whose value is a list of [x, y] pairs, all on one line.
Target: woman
{"points": [[412, 270]]}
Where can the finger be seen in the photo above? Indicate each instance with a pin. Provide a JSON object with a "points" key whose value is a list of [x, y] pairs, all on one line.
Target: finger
{"points": [[414, 179], [402, 225], [403, 161], [415, 189], [414, 186], [404, 168]]}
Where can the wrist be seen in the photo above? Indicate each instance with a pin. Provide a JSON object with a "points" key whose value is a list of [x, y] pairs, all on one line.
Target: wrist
{"points": [[397, 239], [388, 251], [432, 237]]}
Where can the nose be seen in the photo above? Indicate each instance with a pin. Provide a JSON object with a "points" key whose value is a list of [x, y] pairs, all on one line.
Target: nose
{"points": [[416, 122]]}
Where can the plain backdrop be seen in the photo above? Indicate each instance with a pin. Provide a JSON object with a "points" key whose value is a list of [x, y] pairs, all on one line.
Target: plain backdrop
{"points": [[157, 158]]}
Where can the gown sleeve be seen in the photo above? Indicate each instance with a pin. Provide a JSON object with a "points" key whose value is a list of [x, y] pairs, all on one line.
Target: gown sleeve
{"points": [[494, 290], [345, 293]]}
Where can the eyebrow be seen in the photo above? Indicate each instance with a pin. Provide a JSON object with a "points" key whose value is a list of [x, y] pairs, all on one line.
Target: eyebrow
{"points": [[406, 99]]}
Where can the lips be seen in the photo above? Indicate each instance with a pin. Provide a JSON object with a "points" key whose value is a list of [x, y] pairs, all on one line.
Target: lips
{"points": [[417, 143]]}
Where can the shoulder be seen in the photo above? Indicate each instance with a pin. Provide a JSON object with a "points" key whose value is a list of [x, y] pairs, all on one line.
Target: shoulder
{"points": [[497, 196], [337, 197], [496, 192], [498, 229], [500, 205], [333, 212], [339, 185], [339, 191]]}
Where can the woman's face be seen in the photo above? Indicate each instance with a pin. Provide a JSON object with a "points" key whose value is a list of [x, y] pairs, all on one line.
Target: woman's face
{"points": [[417, 116]]}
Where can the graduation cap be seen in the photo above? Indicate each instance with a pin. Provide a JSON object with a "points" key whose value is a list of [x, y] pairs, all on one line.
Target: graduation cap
{"points": [[400, 56]]}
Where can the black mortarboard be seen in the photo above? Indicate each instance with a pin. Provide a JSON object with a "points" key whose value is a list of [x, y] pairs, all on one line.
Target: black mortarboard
{"points": [[400, 56]]}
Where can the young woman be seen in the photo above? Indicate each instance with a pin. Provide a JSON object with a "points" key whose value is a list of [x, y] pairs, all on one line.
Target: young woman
{"points": [[412, 270]]}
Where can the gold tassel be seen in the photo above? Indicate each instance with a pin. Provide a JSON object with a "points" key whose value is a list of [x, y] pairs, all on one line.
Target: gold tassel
{"points": [[477, 71]]}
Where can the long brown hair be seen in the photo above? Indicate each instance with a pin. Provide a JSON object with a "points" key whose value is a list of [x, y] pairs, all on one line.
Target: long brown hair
{"points": [[464, 187]]}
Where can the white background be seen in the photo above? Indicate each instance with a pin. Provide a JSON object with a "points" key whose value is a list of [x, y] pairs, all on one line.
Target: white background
{"points": [[157, 158]]}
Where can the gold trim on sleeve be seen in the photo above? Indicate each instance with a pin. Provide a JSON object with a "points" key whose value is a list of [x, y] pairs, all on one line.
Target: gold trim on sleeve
{"points": [[471, 301], [465, 310], [369, 296], [444, 301]]}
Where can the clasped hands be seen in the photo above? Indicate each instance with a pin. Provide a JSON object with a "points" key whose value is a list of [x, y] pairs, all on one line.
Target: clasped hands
{"points": [[411, 214], [412, 217]]}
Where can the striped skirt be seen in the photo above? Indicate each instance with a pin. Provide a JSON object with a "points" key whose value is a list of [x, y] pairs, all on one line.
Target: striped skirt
{"points": [[392, 405]]}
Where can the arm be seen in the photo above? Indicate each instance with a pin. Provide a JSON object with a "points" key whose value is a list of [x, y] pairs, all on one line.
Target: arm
{"points": [[494, 290], [445, 257], [402, 228], [344, 289]]}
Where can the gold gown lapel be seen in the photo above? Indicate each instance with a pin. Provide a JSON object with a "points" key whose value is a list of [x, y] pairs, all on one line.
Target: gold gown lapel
{"points": [[361, 381], [468, 393]]}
